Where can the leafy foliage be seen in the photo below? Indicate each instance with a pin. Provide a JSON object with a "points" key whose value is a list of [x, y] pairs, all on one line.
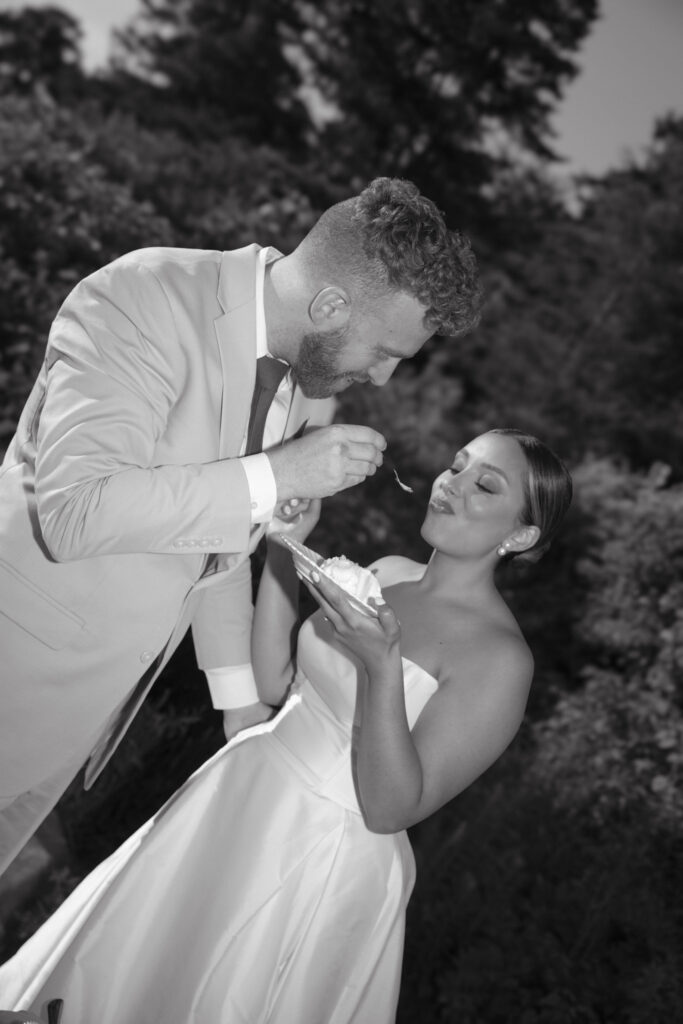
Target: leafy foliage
{"points": [[209, 66], [60, 218], [553, 874], [524, 911], [617, 740], [40, 49], [208, 191], [443, 94], [421, 89], [581, 337]]}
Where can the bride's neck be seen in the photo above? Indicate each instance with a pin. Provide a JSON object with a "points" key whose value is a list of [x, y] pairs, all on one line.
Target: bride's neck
{"points": [[458, 579]]}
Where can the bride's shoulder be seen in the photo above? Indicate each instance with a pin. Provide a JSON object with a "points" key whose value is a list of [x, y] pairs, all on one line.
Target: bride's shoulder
{"points": [[396, 568]]}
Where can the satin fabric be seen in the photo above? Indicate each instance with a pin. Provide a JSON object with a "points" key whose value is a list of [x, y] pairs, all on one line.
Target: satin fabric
{"points": [[256, 894]]}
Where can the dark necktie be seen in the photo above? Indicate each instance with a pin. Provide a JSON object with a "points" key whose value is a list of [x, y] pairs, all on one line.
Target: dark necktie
{"points": [[269, 373]]}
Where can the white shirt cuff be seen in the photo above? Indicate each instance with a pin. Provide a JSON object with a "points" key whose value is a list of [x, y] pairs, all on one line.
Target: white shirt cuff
{"points": [[262, 486], [232, 687]]}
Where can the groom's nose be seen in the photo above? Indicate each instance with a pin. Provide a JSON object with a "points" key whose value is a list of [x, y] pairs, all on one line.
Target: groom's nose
{"points": [[382, 372]]}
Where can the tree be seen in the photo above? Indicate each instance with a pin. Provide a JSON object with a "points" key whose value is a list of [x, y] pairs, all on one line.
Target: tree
{"points": [[207, 66], [435, 91], [60, 218], [422, 89], [216, 193], [637, 213], [40, 49], [580, 340]]}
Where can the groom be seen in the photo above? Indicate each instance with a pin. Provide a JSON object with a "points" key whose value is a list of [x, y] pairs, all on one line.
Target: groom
{"points": [[152, 452]]}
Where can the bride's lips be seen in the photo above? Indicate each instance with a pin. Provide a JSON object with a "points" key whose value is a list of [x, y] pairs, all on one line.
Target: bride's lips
{"points": [[439, 504]]}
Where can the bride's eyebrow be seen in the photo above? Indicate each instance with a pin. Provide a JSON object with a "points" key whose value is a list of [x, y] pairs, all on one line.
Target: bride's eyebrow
{"points": [[484, 465], [495, 469]]}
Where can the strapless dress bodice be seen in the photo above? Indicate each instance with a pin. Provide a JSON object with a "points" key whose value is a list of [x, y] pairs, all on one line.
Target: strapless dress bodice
{"points": [[316, 736]]}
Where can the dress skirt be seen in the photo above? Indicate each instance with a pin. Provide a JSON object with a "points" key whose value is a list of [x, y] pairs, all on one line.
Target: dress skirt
{"points": [[255, 896]]}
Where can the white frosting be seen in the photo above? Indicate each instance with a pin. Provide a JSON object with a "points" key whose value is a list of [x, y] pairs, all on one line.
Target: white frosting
{"points": [[360, 582]]}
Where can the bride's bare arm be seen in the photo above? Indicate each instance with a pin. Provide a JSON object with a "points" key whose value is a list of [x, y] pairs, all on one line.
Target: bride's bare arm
{"points": [[405, 776], [466, 725], [276, 614]]}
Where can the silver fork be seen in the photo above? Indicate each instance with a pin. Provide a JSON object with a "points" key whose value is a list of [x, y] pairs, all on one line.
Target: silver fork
{"points": [[391, 465]]}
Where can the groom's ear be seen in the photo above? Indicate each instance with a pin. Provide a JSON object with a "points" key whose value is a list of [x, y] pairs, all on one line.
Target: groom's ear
{"points": [[331, 307]]}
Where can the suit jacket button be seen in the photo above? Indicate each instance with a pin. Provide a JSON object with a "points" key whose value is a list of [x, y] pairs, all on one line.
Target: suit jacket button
{"points": [[146, 657]]}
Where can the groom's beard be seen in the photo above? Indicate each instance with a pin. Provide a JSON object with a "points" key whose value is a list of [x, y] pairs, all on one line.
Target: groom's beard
{"points": [[316, 367]]}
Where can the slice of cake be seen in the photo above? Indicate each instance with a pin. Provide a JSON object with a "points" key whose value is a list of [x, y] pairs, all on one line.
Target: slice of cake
{"points": [[360, 582]]}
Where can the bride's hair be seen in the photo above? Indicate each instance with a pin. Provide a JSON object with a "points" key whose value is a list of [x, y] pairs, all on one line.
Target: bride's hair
{"points": [[547, 491]]}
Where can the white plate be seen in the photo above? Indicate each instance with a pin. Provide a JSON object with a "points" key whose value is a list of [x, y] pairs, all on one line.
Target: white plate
{"points": [[306, 561]]}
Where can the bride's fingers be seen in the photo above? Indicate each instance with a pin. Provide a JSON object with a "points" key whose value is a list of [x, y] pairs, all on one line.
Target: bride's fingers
{"points": [[387, 618], [332, 593], [334, 601], [330, 612]]}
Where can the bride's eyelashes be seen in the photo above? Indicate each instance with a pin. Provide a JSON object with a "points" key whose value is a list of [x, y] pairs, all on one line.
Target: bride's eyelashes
{"points": [[456, 470]]}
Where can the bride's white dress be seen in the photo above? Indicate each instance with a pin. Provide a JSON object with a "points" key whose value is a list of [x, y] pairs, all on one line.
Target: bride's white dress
{"points": [[255, 895]]}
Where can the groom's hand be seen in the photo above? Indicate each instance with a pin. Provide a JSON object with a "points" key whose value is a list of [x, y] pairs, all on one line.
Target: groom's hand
{"points": [[236, 719], [296, 518], [326, 460]]}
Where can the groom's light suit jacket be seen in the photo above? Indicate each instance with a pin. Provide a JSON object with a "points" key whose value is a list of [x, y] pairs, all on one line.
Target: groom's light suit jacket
{"points": [[119, 483]]}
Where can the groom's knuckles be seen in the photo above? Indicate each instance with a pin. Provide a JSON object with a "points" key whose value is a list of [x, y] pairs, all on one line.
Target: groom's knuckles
{"points": [[358, 433], [368, 453]]}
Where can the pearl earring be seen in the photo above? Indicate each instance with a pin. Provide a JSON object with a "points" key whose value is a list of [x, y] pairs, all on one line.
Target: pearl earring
{"points": [[502, 550]]}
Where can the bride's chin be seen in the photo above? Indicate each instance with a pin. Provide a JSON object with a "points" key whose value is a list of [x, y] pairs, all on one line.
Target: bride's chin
{"points": [[432, 536]]}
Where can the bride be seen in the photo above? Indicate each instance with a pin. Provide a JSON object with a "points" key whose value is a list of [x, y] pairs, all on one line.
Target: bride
{"points": [[272, 886]]}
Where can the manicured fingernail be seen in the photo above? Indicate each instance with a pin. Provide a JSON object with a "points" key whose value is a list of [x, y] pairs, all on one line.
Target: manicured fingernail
{"points": [[315, 576]]}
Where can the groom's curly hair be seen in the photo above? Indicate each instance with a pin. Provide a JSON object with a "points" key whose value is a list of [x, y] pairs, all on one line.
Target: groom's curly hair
{"points": [[392, 237]]}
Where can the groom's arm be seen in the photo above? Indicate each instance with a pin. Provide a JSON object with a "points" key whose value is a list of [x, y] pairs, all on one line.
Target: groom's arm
{"points": [[116, 371], [233, 688], [221, 632]]}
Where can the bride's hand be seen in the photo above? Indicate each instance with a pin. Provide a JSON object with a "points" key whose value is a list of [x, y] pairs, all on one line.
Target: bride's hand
{"points": [[295, 518], [370, 639]]}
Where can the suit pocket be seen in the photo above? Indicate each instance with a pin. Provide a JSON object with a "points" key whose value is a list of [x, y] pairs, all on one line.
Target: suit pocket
{"points": [[35, 611]]}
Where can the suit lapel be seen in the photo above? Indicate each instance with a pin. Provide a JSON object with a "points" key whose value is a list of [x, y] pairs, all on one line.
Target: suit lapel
{"points": [[236, 336]]}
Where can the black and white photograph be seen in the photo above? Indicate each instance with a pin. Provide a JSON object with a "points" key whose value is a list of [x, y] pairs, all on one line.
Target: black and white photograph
{"points": [[341, 512]]}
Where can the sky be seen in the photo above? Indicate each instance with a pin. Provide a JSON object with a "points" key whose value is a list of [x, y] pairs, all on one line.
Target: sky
{"points": [[631, 73]]}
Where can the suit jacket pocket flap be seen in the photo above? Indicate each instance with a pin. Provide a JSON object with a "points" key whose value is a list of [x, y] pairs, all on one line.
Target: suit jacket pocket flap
{"points": [[35, 611]]}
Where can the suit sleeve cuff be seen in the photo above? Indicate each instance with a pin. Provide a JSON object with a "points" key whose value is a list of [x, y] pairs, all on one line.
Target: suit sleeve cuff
{"points": [[232, 687], [262, 487]]}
